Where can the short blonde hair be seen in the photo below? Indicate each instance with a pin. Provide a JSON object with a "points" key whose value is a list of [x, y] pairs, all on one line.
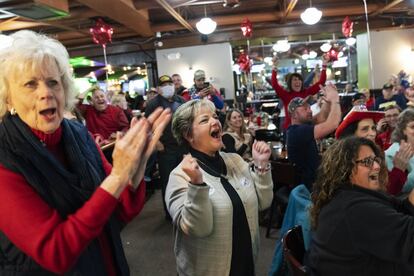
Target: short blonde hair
{"points": [[184, 117], [29, 52]]}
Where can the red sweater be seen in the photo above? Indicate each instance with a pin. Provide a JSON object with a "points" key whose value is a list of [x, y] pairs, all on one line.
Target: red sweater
{"points": [[396, 181], [106, 122], [38, 230], [287, 96]]}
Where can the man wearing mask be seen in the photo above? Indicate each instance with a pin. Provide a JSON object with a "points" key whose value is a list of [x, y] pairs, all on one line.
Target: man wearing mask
{"points": [[170, 153]]}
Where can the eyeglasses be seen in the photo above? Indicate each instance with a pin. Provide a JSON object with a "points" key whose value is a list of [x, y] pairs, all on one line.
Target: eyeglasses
{"points": [[369, 161]]}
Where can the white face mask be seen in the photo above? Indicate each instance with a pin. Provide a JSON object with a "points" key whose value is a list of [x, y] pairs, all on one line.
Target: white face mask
{"points": [[167, 91]]}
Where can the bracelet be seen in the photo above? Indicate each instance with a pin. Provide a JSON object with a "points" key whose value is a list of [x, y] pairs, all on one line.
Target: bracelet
{"points": [[261, 169]]}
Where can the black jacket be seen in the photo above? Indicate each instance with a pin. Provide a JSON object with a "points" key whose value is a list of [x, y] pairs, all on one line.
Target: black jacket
{"points": [[364, 232]]}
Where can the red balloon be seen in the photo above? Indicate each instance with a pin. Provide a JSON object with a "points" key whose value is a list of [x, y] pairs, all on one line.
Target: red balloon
{"points": [[246, 28], [333, 55], [101, 32], [244, 63], [347, 27]]}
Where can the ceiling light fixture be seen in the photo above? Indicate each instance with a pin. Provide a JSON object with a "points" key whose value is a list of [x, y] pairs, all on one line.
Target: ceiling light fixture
{"points": [[312, 54], [326, 47], [350, 41], [206, 25], [281, 46], [268, 60], [311, 15]]}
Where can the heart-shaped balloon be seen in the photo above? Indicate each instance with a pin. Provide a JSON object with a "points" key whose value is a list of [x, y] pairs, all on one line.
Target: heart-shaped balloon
{"points": [[101, 32], [246, 28], [347, 27], [244, 63]]}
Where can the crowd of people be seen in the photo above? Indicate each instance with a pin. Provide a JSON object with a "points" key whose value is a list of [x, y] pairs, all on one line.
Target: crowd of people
{"points": [[64, 202]]}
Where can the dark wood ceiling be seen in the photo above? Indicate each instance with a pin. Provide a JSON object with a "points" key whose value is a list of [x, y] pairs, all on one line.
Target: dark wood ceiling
{"points": [[136, 22]]}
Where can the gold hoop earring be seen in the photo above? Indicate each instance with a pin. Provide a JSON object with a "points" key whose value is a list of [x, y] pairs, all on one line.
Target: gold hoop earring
{"points": [[13, 111]]}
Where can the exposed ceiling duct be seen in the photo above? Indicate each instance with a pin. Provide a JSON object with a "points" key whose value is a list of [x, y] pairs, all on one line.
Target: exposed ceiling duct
{"points": [[231, 3], [37, 9]]}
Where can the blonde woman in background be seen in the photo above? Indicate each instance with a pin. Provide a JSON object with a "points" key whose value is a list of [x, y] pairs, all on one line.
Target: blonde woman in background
{"points": [[236, 138]]}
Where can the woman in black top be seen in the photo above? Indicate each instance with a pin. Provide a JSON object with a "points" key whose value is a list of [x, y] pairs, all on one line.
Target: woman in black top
{"points": [[359, 229]]}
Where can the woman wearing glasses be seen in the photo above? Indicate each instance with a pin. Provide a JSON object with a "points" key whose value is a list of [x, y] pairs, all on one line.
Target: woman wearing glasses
{"points": [[402, 137], [361, 123], [359, 229]]}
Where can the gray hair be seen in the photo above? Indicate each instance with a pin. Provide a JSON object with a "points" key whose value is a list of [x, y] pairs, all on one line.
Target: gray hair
{"points": [[184, 117], [28, 53], [404, 119]]}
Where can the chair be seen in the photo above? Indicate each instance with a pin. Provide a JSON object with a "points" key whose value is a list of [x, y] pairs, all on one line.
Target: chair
{"points": [[285, 178], [294, 251]]}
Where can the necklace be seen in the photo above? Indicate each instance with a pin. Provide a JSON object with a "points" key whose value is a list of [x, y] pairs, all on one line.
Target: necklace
{"points": [[204, 164]]}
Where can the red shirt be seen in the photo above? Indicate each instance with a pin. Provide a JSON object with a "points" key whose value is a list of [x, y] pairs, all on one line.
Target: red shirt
{"points": [[287, 96], [106, 122], [39, 231]]}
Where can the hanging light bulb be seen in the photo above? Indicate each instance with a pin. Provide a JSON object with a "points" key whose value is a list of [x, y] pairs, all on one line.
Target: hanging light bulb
{"points": [[281, 46], [268, 60], [350, 41], [206, 25], [312, 54], [311, 16], [326, 47], [305, 56]]}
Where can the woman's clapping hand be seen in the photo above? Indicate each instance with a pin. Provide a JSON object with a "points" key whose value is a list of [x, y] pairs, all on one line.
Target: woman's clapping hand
{"points": [[133, 149]]}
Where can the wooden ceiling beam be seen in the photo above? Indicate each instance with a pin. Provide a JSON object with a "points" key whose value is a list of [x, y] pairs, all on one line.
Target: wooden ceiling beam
{"points": [[386, 7], [16, 25], [289, 9], [62, 36], [175, 14], [145, 4], [292, 32], [88, 41], [268, 17], [124, 12]]}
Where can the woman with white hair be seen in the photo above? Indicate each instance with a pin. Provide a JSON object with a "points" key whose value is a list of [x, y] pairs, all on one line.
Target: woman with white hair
{"points": [[62, 205]]}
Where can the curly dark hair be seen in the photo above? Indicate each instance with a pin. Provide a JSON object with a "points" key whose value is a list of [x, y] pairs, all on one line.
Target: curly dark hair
{"points": [[289, 81], [336, 168]]}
